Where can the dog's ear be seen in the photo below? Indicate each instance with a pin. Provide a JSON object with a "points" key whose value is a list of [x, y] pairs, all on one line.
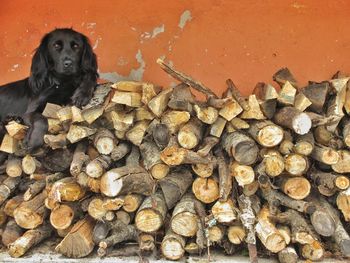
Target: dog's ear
{"points": [[88, 60], [40, 66]]}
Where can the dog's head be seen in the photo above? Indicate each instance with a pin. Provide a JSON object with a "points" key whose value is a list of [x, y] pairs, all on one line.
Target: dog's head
{"points": [[62, 53]]}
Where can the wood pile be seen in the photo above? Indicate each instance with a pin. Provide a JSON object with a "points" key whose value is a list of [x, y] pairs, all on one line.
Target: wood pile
{"points": [[143, 170]]}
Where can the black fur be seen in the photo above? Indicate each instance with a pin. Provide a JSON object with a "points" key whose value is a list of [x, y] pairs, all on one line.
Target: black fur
{"points": [[63, 71]]}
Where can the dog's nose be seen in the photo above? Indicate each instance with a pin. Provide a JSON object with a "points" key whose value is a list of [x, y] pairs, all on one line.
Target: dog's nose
{"points": [[67, 63]]}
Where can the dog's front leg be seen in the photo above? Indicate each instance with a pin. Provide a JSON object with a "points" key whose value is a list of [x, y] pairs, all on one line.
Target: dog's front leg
{"points": [[84, 92], [38, 127]]}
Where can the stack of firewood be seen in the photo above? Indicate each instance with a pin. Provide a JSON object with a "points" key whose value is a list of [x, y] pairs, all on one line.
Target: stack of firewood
{"points": [[141, 168]]}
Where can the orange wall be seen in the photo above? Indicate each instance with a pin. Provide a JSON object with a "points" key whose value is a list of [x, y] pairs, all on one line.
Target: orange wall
{"points": [[218, 39]]}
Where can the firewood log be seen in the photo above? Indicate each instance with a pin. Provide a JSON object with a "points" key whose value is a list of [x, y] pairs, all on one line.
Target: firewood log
{"points": [[267, 232], [174, 155], [77, 115], [175, 185], [173, 246], [32, 213], [151, 160], [343, 199], [250, 189], [132, 99], [190, 134], [122, 121], [34, 189], [254, 111], [16, 130], [132, 202], [266, 133], [184, 218], [63, 215], [216, 233], [100, 231], [205, 189], [286, 233], [30, 164], [93, 184], [287, 94], [272, 163], [14, 167], [204, 169], [142, 114], [159, 103], [343, 164], [326, 138], [79, 159], [97, 167], [181, 98], [236, 234], [296, 164], [325, 154], [120, 233], [241, 147], [243, 174], [224, 211], [304, 144], [28, 240], [57, 160], [98, 207], [125, 217], [283, 75], [225, 179], [207, 115], [66, 189], [9, 144], [7, 187], [151, 214], [149, 91], [12, 204], [77, 133], [295, 187], [120, 151], [312, 252], [126, 179], [292, 118], [81, 236], [161, 135], [231, 110], [287, 145], [239, 124], [104, 141], [207, 144], [12, 231], [288, 255], [174, 120], [301, 102], [237, 95], [316, 93]]}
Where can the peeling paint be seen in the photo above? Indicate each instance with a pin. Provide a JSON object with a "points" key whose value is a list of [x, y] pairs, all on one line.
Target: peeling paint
{"points": [[155, 32], [14, 67], [135, 74], [185, 17]]}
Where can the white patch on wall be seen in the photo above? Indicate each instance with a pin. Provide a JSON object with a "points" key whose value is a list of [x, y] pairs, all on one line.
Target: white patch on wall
{"points": [[155, 32], [184, 18], [135, 74], [97, 41], [14, 67]]}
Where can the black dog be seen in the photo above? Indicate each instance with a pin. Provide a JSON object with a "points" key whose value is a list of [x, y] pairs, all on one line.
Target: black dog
{"points": [[63, 71]]}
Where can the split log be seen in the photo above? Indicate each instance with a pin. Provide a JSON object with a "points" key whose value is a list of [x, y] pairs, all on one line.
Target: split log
{"points": [[132, 99], [159, 103], [243, 174], [173, 246], [217, 128], [126, 179], [181, 98], [137, 132], [122, 121], [104, 141], [81, 236], [161, 135], [231, 110], [224, 211], [207, 115], [254, 111], [16, 130], [34, 189], [292, 118], [343, 201], [14, 167], [28, 240], [77, 115], [131, 86], [190, 134], [50, 110], [175, 185], [9, 144], [184, 218], [79, 159], [97, 167], [296, 164], [236, 94], [243, 149], [151, 214], [77, 133], [151, 159], [283, 75], [173, 120], [266, 133], [205, 189], [12, 231], [316, 93], [268, 233], [301, 102], [30, 214], [287, 94]]}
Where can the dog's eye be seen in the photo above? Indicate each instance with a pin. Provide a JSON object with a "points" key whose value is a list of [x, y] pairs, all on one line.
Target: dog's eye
{"points": [[57, 45], [75, 46]]}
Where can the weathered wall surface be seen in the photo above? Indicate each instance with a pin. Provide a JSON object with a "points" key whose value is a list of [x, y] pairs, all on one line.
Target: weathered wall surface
{"points": [[212, 40]]}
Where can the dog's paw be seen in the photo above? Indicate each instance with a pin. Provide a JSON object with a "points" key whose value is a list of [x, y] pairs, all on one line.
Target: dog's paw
{"points": [[80, 100]]}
